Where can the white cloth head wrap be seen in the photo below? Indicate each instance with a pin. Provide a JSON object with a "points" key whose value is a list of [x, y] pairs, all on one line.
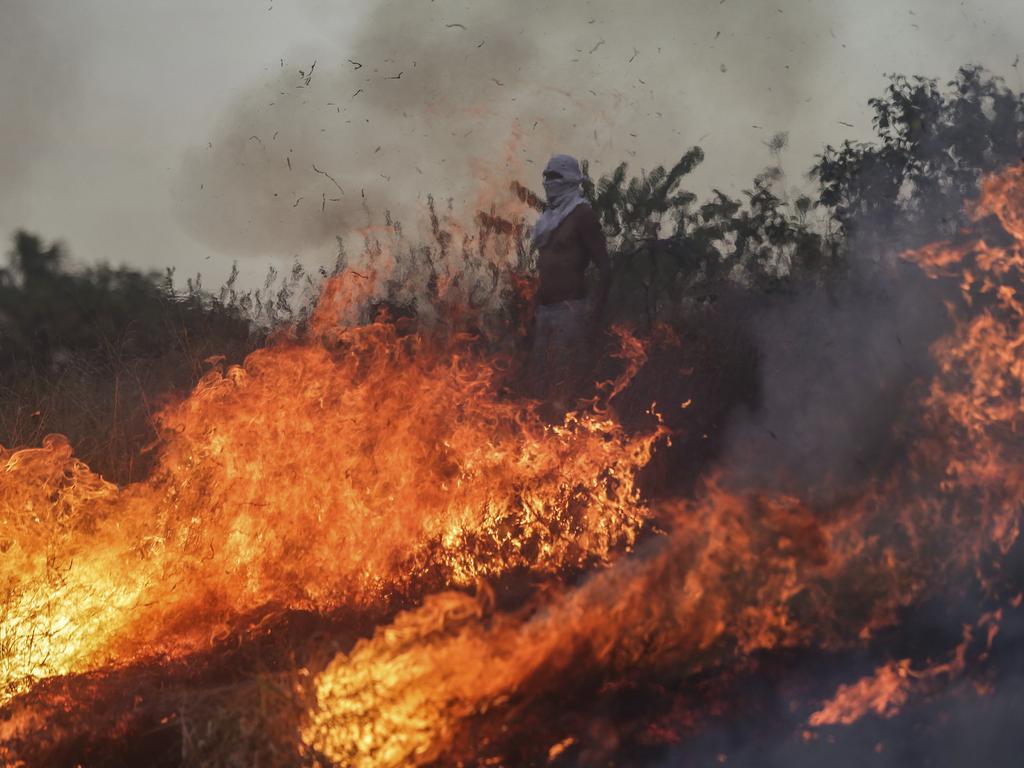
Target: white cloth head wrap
{"points": [[563, 195]]}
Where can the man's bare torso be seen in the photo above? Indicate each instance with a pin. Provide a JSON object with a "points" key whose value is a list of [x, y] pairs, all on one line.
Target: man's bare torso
{"points": [[563, 261]]}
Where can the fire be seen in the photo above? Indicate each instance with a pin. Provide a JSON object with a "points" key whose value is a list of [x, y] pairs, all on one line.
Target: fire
{"points": [[886, 691], [367, 465], [883, 693], [736, 573], [347, 472], [400, 697]]}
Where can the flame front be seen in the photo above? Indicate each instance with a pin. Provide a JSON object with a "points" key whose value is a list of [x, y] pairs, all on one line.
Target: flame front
{"points": [[736, 573], [372, 467], [345, 473]]}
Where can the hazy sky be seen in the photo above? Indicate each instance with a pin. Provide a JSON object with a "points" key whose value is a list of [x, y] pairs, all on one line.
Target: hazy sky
{"points": [[180, 132]]}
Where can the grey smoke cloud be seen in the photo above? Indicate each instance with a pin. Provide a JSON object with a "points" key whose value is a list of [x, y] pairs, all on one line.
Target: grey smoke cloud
{"points": [[101, 100], [457, 100], [835, 372], [35, 81]]}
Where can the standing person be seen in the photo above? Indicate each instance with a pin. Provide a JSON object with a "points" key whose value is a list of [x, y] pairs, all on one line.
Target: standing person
{"points": [[568, 238]]}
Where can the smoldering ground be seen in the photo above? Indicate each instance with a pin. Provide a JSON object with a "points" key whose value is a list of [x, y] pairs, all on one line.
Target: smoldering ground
{"points": [[957, 723]]}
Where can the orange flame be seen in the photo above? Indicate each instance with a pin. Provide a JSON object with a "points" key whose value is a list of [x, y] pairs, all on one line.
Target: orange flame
{"points": [[884, 693], [734, 574], [373, 466], [316, 476]]}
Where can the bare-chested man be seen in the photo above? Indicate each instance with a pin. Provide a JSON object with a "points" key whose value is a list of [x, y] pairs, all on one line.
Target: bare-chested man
{"points": [[568, 238]]}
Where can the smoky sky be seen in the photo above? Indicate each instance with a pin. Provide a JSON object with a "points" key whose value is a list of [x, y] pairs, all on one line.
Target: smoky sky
{"points": [[456, 99], [144, 133], [35, 80]]}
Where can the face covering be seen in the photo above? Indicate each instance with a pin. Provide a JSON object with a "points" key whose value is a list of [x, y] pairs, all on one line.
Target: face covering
{"points": [[563, 196]]}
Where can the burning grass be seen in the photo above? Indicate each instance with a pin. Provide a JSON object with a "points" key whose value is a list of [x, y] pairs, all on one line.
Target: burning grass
{"points": [[485, 586]]}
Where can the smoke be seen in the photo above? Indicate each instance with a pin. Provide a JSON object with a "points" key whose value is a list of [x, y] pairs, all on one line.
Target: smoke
{"points": [[455, 100], [959, 728], [458, 100], [37, 74], [836, 367], [956, 725]]}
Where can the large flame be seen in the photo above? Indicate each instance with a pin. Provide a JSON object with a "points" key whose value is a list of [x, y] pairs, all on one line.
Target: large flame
{"points": [[344, 472], [373, 465], [735, 573]]}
